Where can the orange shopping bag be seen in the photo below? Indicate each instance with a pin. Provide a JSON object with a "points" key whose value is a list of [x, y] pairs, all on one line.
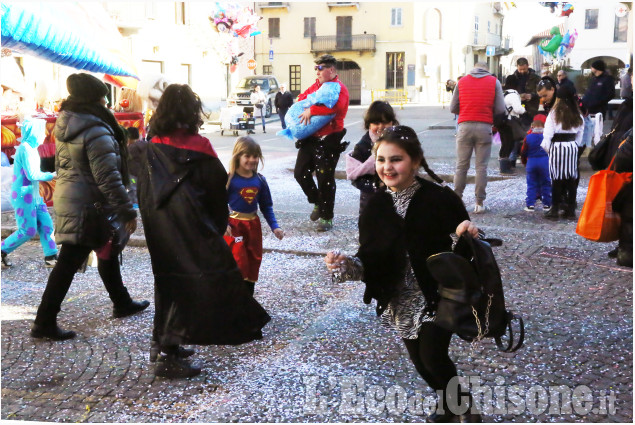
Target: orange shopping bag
{"points": [[597, 220]]}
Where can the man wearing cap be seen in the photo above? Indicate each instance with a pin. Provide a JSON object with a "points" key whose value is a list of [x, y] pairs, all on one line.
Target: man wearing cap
{"points": [[321, 151], [596, 99], [283, 102]]}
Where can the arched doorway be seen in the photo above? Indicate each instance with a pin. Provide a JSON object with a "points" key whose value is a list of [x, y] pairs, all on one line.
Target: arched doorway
{"points": [[351, 75]]}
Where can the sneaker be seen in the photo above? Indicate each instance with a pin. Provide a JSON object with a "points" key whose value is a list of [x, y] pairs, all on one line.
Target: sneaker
{"points": [[530, 208], [546, 207], [5, 260], [315, 214], [173, 367], [480, 209], [50, 261], [130, 309], [325, 225]]}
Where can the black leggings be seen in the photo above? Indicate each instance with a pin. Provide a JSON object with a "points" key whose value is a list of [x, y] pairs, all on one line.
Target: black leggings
{"points": [[70, 259], [429, 353], [321, 157]]}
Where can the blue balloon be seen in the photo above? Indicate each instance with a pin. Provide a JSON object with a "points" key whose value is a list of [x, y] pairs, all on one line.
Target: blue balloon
{"points": [[326, 95]]}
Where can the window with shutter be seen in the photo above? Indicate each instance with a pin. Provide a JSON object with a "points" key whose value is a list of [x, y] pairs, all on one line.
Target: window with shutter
{"points": [[274, 27]]}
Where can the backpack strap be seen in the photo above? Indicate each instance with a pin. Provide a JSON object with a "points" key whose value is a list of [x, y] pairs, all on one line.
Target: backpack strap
{"points": [[510, 348]]}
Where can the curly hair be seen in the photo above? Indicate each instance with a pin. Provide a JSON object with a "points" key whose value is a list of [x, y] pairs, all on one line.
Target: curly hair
{"points": [[179, 107]]}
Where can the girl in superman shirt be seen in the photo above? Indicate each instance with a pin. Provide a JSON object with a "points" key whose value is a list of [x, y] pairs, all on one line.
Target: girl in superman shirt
{"points": [[247, 189]]}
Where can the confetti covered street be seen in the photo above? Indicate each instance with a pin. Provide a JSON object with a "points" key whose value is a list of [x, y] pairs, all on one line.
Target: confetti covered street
{"points": [[324, 356]]}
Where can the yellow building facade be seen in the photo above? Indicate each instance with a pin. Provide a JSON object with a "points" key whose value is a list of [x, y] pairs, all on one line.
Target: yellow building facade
{"points": [[409, 46]]}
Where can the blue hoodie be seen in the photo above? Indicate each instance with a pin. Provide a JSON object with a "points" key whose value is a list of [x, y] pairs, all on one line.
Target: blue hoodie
{"points": [[26, 164], [533, 141]]}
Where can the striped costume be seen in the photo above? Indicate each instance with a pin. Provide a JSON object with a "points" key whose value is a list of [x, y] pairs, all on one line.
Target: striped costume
{"points": [[562, 147]]}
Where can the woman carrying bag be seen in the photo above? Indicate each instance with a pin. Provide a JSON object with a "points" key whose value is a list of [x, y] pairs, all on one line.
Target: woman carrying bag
{"points": [[90, 162], [405, 222]]}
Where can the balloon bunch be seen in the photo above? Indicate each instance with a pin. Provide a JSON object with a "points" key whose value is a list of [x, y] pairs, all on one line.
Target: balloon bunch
{"points": [[567, 9], [233, 22], [558, 47], [549, 47], [568, 42]]}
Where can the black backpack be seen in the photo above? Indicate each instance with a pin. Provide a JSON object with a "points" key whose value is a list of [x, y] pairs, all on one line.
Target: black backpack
{"points": [[472, 303]]}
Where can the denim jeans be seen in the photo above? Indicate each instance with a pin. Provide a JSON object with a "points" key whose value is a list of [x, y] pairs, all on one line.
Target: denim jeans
{"points": [[589, 128]]}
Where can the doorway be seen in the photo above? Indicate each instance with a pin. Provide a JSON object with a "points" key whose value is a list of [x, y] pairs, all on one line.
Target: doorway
{"points": [[351, 75]]}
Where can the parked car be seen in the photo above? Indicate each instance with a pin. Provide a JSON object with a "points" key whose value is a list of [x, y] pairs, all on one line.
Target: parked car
{"points": [[268, 85]]}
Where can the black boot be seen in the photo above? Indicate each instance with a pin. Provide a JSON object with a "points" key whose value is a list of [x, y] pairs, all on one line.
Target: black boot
{"points": [[552, 214], [505, 166], [129, 309], [5, 260], [471, 415], [569, 213], [181, 352], [625, 257], [444, 414], [51, 331], [173, 367]]}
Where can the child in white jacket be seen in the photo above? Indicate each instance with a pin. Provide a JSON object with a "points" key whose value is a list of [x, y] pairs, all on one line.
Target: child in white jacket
{"points": [[508, 151]]}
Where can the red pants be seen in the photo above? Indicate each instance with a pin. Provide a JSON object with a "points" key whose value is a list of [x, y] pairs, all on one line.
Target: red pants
{"points": [[251, 232]]}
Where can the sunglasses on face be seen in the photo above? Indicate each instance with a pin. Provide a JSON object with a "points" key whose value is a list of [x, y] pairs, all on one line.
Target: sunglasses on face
{"points": [[320, 67]]}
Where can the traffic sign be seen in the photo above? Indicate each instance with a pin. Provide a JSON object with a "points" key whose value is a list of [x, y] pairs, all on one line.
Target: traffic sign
{"points": [[271, 55], [251, 64]]}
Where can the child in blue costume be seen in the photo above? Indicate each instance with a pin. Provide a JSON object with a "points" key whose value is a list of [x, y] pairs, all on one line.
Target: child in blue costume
{"points": [[247, 189], [31, 214], [538, 180]]}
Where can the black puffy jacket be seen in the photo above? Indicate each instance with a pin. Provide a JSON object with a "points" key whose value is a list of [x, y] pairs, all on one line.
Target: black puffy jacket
{"points": [[91, 144]]}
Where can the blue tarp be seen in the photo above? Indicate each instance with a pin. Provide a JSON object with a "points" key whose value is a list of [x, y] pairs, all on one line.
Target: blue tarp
{"points": [[64, 33]]}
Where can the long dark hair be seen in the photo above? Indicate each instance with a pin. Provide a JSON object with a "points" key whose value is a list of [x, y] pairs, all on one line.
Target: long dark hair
{"points": [[406, 138], [566, 110], [179, 107], [379, 112]]}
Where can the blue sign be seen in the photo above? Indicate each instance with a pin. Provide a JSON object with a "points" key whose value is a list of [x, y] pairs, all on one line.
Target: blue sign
{"points": [[490, 51], [271, 55]]}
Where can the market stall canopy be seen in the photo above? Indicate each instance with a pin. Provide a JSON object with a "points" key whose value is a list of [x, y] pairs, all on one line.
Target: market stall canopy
{"points": [[78, 35]]}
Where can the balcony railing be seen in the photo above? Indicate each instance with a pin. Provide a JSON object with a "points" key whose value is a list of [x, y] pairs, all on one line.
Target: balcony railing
{"points": [[334, 43], [482, 38]]}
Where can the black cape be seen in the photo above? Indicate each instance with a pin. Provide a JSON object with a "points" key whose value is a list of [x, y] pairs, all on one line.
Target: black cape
{"points": [[200, 296]]}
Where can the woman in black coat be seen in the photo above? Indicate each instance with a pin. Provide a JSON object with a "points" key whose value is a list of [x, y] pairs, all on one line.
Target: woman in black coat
{"points": [[404, 223], [90, 170], [200, 297]]}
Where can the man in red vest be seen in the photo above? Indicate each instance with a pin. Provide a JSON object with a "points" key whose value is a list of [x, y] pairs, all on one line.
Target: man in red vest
{"points": [[477, 99]]}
